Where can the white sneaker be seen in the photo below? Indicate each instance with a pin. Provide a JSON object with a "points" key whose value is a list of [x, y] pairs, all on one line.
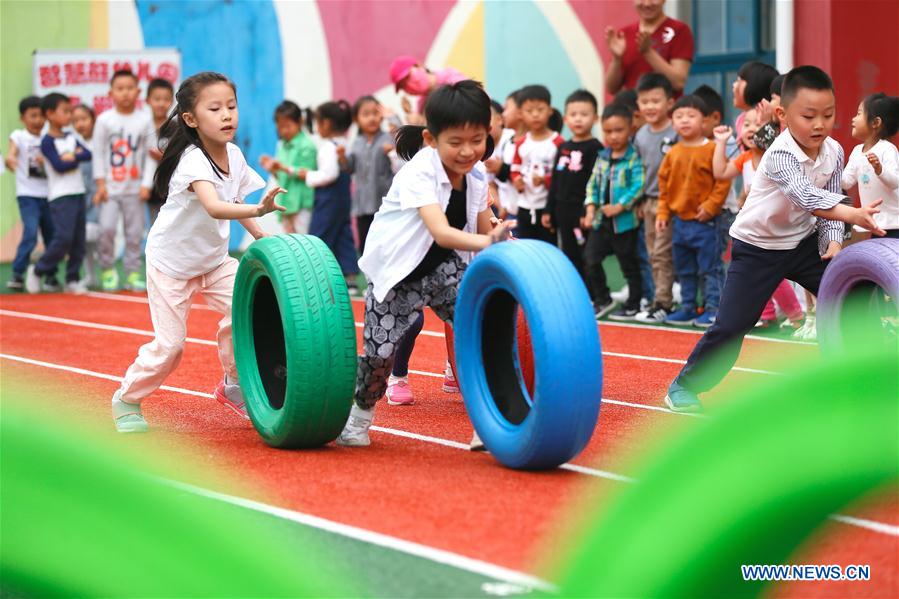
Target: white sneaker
{"points": [[476, 444], [355, 432], [621, 295], [127, 417], [76, 287], [654, 315], [32, 281], [808, 331]]}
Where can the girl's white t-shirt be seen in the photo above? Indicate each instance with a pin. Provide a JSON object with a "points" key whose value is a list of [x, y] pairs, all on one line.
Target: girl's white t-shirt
{"points": [[185, 242], [872, 186]]}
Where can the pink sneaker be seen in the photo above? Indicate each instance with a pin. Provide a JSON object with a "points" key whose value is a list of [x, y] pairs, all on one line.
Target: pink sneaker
{"points": [[399, 393], [229, 395], [450, 384]]}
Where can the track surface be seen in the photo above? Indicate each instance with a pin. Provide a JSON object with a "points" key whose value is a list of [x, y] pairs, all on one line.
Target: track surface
{"points": [[416, 482]]}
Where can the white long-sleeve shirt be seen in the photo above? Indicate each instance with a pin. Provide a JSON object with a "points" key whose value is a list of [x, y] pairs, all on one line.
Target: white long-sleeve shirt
{"points": [[872, 186], [787, 187], [328, 166]]}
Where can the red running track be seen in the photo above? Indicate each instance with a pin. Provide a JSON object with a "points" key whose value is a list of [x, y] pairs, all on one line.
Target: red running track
{"points": [[412, 489]]}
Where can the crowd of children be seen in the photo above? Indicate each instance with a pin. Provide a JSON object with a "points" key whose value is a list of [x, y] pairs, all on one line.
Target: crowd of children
{"points": [[670, 191]]}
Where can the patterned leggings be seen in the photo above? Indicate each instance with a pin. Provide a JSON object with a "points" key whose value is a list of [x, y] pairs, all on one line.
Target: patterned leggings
{"points": [[387, 322]]}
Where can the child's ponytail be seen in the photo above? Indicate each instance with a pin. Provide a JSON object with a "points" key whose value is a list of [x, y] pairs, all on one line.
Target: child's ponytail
{"points": [[886, 108], [310, 119], [180, 136], [409, 140]]}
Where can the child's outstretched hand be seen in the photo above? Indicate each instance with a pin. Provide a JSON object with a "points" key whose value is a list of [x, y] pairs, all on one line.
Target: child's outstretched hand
{"points": [[267, 204], [501, 232], [833, 248], [722, 133], [865, 217], [875, 162]]}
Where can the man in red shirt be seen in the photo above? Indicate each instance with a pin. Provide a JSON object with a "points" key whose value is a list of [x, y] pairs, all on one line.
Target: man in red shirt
{"points": [[657, 43]]}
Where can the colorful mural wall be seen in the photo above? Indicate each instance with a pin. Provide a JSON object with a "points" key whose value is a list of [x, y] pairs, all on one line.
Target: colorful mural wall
{"points": [[312, 51]]}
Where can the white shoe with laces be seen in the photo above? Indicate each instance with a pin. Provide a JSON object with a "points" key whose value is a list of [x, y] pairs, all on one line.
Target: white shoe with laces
{"points": [[355, 432]]}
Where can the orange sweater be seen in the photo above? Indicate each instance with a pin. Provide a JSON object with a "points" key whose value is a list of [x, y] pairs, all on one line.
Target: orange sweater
{"points": [[686, 183]]}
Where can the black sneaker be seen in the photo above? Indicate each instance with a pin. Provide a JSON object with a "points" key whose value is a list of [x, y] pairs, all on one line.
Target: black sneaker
{"points": [[624, 314], [600, 309], [16, 283]]}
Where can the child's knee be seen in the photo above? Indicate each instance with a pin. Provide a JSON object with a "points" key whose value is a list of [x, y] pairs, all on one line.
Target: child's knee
{"points": [[170, 351]]}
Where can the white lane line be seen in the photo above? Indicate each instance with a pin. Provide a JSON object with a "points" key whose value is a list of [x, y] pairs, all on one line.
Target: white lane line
{"points": [[464, 446], [873, 525], [381, 429], [145, 333], [433, 554], [92, 325], [881, 527], [633, 325]]}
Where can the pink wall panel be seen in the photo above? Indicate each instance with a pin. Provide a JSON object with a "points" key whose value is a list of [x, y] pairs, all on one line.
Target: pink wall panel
{"points": [[385, 29]]}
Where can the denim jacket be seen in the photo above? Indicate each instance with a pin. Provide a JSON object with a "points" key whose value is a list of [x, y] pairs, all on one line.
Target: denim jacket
{"points": [[626, 177]]}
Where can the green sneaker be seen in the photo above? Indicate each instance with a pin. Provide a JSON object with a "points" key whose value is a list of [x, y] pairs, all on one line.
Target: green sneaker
{"points": [[126, 416], [109, 280], [135, 282]]}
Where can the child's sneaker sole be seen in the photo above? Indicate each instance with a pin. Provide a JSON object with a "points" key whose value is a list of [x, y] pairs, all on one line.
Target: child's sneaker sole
{"points": [[692, 409], [131, 423], [220, 397]]}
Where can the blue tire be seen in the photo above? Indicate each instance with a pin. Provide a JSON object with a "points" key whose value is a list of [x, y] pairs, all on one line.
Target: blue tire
{"points": [[552, 426]]}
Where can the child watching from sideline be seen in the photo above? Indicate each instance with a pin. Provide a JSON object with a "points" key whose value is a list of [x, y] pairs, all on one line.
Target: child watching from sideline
{"points": [[654, 140], [690, 199], [83, 120], [295, 150], [533, 162], [613, 193], [874, 164], [368, 161], [122, 137], [333, 200], [160, 96], [65, 193], [572, 170], [24, 158], [790, 227]]}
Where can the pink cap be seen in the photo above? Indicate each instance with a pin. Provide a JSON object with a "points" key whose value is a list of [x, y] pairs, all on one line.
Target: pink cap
{"points": [[400, 67]]}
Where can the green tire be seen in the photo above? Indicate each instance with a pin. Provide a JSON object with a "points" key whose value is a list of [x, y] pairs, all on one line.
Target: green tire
{"points": [[294, 341]]}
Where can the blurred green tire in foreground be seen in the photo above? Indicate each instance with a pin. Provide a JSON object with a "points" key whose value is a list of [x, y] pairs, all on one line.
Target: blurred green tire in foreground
{"points": [[80, 519], [747, 486]]}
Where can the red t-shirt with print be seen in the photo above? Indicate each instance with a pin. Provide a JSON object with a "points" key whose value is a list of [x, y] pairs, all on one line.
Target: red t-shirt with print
{"points": [[672, 39]]}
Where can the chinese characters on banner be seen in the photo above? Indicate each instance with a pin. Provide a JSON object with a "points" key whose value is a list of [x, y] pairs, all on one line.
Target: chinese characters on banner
{"points": [[83, 75]]}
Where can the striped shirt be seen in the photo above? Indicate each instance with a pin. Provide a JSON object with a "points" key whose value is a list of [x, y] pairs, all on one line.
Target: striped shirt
{"points": [[787, 187]]}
